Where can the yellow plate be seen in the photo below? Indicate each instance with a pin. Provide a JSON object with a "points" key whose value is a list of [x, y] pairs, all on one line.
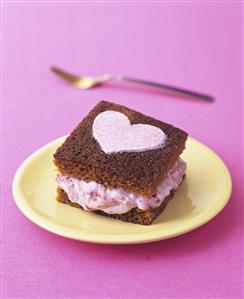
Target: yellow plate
{"points": [[203, 194]]}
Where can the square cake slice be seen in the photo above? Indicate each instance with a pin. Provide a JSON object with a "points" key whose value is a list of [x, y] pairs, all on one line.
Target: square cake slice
{"points": [[120, 163]]}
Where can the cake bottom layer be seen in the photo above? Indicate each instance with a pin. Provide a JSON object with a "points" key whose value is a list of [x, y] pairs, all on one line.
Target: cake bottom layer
{"points": [[135, 215]]}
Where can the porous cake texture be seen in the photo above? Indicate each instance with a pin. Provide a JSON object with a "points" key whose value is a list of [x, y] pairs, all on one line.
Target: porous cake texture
{"points": [[133, 184]]}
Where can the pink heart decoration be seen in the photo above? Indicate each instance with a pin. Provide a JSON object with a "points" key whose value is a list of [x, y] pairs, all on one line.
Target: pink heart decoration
{"points": [[114, 133]]}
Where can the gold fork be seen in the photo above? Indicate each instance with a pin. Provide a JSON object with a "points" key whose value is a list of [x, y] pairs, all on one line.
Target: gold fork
{"points": [[85, 82]]}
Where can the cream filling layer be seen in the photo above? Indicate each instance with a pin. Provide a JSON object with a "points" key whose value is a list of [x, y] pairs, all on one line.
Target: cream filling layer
{"points": [[93, 196]]}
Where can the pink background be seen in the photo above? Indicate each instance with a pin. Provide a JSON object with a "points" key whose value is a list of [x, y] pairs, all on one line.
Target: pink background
{"points": [[194, 45]]}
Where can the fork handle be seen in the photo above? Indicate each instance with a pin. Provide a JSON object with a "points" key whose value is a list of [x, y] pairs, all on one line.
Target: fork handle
{"points": [[166, 88]]}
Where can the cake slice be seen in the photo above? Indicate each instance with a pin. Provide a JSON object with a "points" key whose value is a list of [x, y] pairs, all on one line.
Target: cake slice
{"points": [[120, 163]]}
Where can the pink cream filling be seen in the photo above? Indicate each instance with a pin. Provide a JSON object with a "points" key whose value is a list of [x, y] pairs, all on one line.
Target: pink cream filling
{"points": [[92, 196]]}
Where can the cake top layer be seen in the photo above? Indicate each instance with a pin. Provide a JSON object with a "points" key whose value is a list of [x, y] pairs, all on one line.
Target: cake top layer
{"points": [[130, 164]]}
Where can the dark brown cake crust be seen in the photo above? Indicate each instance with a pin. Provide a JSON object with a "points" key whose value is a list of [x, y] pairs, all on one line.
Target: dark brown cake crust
{"points": [[80, 155], [135, 215]]}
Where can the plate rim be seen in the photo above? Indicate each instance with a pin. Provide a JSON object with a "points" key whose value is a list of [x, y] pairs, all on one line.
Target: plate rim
{"points": [[147, 237]]}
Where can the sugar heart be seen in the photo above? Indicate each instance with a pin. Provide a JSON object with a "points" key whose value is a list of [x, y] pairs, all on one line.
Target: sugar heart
{"points": [[114, 133]]}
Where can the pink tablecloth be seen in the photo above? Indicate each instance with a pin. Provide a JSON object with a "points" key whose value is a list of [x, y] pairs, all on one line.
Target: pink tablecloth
{"points": [[194, 45]]}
